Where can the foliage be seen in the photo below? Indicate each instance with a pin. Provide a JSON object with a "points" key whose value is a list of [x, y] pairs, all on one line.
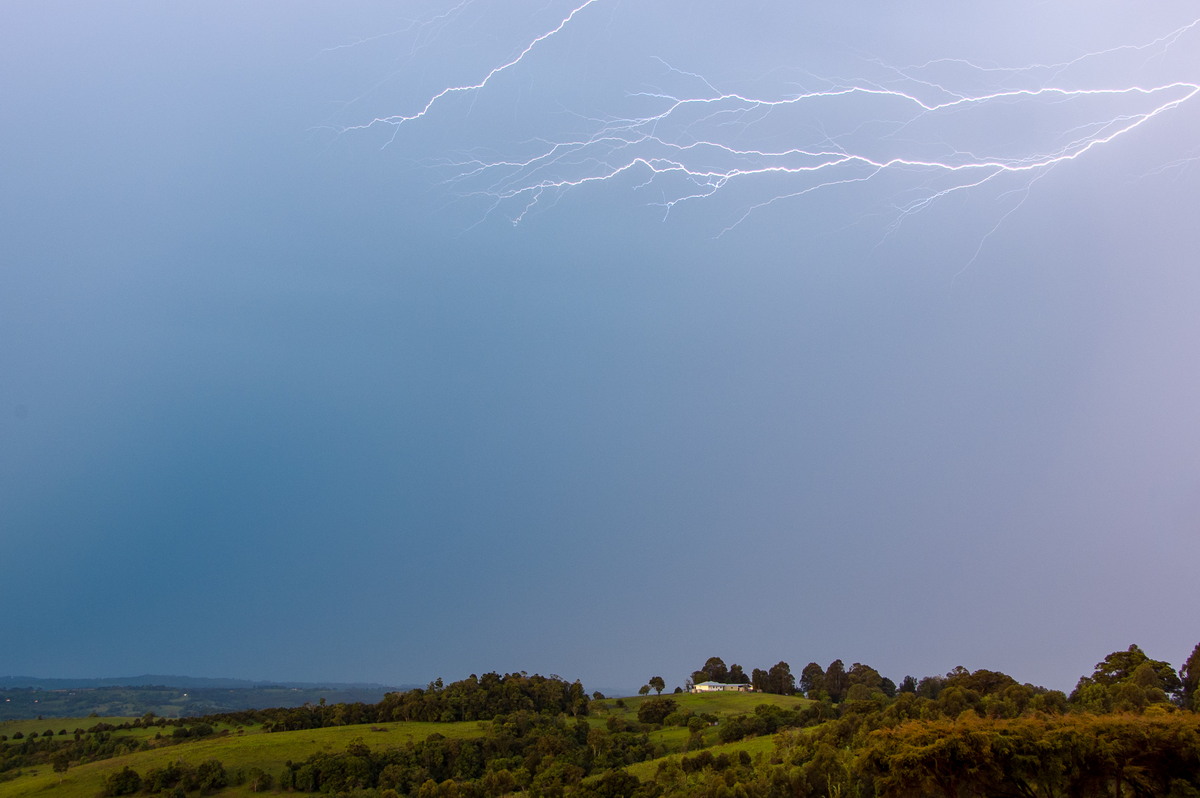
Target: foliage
{"points": [[1127, 681], [656, 710], [1189, 679]]}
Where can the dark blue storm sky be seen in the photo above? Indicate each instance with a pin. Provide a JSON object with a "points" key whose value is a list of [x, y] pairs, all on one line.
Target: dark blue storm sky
{"points": [[285, 399]]}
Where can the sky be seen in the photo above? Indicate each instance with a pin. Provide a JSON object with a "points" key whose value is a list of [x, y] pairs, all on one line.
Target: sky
{"points": [[673, 330]]}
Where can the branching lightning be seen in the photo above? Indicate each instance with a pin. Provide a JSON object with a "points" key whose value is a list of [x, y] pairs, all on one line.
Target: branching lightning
{"points": [[927, 127]]}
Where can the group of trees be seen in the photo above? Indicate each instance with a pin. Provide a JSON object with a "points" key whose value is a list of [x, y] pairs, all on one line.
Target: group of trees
{"points": [[176, 779], [474, 698], [874, 756], [715, 670], [1125, 681], [483, 698], [778, 679], [655, 683], [837, 683], [540, 754], [1130, 681], [99, 741]]}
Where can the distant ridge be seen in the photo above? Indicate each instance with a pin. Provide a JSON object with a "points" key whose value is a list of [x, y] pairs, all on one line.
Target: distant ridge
{"points": [[191, 682]]}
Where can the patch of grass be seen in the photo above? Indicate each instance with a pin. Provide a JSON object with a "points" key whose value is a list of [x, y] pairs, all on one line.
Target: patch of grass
{"points": [[719, 704]]}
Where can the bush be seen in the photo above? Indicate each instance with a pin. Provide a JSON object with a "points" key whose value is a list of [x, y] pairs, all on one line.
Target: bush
{"points": [[656, 710], [124, 782]]}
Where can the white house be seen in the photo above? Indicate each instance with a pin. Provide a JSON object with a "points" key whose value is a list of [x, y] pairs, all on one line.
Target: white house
{"points": [[717, 687]]}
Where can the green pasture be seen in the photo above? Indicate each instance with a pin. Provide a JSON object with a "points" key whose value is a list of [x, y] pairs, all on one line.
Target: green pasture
{"points": [[237, 750], [719, 704]]}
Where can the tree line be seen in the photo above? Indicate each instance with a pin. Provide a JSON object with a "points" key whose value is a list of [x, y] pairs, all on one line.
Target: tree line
{"points": [[1126, 680], [474, 698]]}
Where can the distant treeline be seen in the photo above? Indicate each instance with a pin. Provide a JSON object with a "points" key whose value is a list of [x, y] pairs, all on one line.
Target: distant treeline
{"points": [[473, 698]]}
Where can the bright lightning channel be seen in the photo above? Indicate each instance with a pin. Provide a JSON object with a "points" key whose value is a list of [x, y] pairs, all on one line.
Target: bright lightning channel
{"points": [[687, 146]]}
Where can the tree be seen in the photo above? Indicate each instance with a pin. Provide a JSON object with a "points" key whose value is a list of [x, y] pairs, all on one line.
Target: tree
{"points": [[1117, 680], [812, 680], [736, 675], [123, 782], [656, 709], [865, 675], [644, 689], [836, 680], [211, 776], [658, 684], [61, 762], [780, 680], [1189, 678], [714, 670]]}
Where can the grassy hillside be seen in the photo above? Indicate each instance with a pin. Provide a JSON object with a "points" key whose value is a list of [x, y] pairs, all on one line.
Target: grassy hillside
{"points": [[242, 748], [719, 704], [236, 747]]}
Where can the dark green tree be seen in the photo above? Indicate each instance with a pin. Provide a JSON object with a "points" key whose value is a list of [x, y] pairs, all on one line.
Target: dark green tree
{"points": [[1114, 683], [1189, 679], [812, 680], [124, 782], [780, 680], [61, 762], [837, 682], [865, 675], [211, 776], [736, 675], [656, 709], [714, 670], [658, 684]]}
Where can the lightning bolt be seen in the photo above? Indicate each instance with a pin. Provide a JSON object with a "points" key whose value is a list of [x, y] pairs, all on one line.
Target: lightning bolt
{"points": [[400, 119], [919, 123]]}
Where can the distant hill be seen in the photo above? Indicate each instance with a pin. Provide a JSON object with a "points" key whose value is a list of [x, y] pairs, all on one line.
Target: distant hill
{"points": [[168, 696], [148, 680]]}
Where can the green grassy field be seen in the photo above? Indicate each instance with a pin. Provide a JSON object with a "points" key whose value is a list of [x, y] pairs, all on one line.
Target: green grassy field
{"points": [[719, 704], [250, 747]]}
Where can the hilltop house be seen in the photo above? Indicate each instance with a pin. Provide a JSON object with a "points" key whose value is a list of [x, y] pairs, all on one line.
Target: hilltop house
{"points": [[718, 687]]}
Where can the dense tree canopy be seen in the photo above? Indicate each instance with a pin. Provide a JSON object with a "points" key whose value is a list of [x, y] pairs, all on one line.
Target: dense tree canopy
{"points": [[1127, 680]]}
